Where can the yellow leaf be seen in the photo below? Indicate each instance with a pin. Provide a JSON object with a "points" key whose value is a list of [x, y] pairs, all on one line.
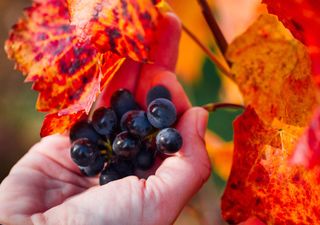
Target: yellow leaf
{"points": [[273, 72]]}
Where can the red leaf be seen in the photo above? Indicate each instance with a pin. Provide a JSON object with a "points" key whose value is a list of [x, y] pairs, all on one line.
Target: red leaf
{"points": [[302, 18], [54, 123], [124, 27], [67, 73], [262, 182], [307, 151]]}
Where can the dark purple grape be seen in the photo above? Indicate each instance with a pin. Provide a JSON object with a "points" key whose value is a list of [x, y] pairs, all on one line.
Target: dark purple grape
{"points": [[83, 152], [108, 175], [105, 122], [126, 145], [158, 91], [116, 170], [161, 113], [137, 123], [145, 158], [123, 101], [83, 129], [124, 167], [94, 168], [169, 141]]}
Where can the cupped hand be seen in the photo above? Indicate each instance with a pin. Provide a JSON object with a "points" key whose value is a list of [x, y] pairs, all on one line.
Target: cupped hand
{"points": [[46, 187]]}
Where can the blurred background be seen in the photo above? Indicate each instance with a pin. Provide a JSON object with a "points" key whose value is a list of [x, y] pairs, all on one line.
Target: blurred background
{"points": [[20, 122]]}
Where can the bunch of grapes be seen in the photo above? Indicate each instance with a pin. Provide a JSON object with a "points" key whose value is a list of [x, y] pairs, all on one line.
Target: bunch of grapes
{"points": [[123, 138]]}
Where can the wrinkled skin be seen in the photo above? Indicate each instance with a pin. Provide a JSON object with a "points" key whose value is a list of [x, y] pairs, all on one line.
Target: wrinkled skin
{"points": [[46, 187]]}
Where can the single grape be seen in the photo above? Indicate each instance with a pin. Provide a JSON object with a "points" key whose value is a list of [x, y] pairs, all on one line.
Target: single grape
{"points": [[136, 122], [123, 101], [108, 175], [158, 91], [83, 152], [94, 168], [126, 145], [161, 113], [105, 122], [83, 129], [124, 167], [116, 170], [169, 141], [145, 158]]}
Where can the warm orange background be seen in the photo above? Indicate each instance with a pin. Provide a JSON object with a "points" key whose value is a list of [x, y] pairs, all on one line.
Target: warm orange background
{"points": [[19, 121]]}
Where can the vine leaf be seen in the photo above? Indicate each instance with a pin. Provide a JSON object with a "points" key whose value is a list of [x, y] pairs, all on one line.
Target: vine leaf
{"points": [[273, 72], [66, 68], [301, 17], [263, 183]]}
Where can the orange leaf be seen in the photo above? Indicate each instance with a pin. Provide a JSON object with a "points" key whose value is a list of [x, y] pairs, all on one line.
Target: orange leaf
{"points": [[272, 70], [67, 73], [46, 50], [54, 123], [301, 17], [123, 27], [262, 182]]}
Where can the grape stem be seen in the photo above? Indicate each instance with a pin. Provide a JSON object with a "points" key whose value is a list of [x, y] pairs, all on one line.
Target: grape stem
{"points": [[213, 25], [211, 107], [223, 68]]}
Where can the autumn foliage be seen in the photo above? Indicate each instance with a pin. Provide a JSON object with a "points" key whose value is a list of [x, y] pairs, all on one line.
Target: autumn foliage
{"points": [[62, 58], [71, 49]]}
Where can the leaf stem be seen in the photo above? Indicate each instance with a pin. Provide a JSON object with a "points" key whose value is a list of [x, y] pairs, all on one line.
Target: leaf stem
{"points": [[211, 107], [213, 25], [223, 68]]}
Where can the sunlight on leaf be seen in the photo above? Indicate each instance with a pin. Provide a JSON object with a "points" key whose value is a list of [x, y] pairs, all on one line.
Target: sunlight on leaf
{"points": [[123, 27], [67, 70], [263, 183], [273, 71], [46, 49], [301, 17]]}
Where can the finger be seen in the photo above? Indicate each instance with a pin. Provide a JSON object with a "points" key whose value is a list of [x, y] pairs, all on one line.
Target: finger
{"points": [[126, 78], [165, 51], [55, 150], [181, 176], [165, 193]]}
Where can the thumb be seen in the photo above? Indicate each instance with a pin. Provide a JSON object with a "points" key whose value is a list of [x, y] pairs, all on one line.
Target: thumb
{"points": [[181, 176]]}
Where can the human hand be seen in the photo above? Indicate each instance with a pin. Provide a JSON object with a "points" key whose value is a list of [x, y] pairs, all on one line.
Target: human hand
{"points": [[46, 187]]}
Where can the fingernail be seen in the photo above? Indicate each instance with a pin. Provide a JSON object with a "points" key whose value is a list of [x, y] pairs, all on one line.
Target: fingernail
{"points": [[202, 121]]}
